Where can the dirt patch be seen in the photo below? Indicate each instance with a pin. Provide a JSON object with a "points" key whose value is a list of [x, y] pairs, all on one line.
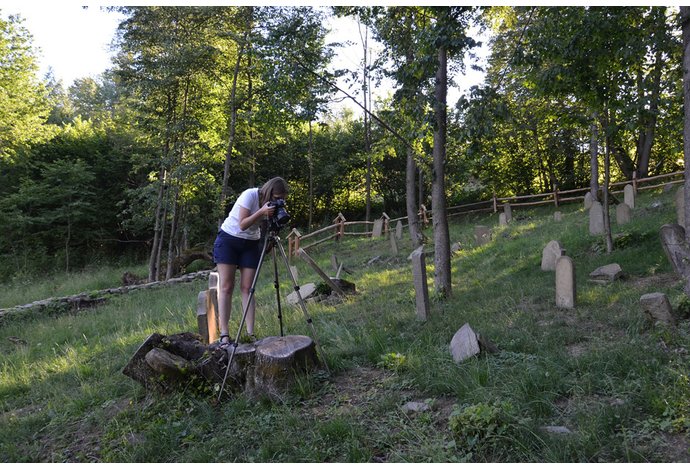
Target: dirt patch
{"points": [[677, 447], [657, 280]]}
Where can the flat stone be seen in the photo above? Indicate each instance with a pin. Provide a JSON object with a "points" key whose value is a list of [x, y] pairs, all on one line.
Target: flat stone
{"points": [[415, 407], [307, 291], [606, 274], [556, 429]]}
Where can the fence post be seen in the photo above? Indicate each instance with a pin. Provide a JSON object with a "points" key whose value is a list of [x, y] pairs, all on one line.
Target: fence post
{"points": [[634, 181], [495, 203], [293, 242], [555, 195], [340, 229]]}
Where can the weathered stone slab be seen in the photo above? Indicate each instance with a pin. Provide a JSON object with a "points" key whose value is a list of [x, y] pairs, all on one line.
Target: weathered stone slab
{"points": [[508, 211], [171, 366], [415, 407], [629, 195], [657, 308], [394, 245], [623, 214], [213, 280], [138, 369], [399, 230], [566, 291], [502, 219], [557, 216], [550, 254], [606, 274], [308, 290], [596, 219], [677, 252], [588, 200], [421, 287], [482, 235], [377, 232], [556, 429], [464, 344]]}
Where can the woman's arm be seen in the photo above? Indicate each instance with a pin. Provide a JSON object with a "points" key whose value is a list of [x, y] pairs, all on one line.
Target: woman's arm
{"points": [[247, 219]]}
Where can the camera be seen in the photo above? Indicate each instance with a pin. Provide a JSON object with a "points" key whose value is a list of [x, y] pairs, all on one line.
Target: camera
{"points": [[280, 216]]}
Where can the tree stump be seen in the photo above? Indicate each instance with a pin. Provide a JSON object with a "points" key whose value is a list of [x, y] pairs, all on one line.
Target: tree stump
{"points": [[267, 367]]}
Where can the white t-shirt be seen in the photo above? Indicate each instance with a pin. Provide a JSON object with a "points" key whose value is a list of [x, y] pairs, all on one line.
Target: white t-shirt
{"points": [[248, 199]]}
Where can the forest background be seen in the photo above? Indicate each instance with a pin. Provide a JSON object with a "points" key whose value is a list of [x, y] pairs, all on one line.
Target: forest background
{"points": [[203, 102]]}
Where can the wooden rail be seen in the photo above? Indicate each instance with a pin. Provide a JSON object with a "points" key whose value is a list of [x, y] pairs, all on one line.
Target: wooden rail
{"points": [[382, 226]]}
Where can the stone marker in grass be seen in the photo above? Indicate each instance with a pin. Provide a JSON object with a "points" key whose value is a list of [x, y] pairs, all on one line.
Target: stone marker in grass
{"points": [[565, 283]]}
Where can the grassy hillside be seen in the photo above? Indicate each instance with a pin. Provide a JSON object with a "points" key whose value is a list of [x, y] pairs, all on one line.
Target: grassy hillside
{"points": [[618, 384]]}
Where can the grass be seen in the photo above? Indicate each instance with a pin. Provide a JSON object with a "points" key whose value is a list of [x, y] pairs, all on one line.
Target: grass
{"points": [[619, 384]]}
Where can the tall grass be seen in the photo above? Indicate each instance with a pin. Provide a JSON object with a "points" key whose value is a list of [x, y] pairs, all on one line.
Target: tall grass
{"points": [[619, 384]]}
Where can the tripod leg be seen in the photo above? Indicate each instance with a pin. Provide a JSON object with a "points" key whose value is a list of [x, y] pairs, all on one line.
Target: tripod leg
{"points": [[276, 284], [244, 315], [303, 306]]}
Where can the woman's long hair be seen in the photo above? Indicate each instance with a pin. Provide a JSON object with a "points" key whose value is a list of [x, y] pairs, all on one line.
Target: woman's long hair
{"points": [[277, 185]]}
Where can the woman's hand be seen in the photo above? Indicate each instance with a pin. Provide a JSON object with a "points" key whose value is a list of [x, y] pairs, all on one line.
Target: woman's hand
{"points": [[268, 209]]}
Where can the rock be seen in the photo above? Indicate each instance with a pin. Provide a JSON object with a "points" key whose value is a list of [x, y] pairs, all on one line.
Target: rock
{"points": [[466, 343], [606, 274], [415, 407], [170, 365], [308, 290], [550, 254], [657, 308], [455, 248], [556, 429], [482, 235]]}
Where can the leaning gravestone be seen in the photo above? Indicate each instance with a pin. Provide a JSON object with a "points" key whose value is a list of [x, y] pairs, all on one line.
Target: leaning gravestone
{"points": [[606, 274], [678, 253], [557, 216], [657, 308], [482, 234], [399, 230], [308, 290], [377, 232], [502, 219], [629, 195], [394, 245], [588, 200], [623, 214], [550, 254], [466, 343], [596, 219], [565, 283], [421, 287], [680, 205]]}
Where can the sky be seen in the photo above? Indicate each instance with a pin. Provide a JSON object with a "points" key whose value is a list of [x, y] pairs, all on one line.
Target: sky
{"points": [[74, 42]]}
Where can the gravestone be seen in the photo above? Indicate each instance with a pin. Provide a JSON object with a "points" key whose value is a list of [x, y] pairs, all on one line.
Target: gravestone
{"points": [[550, 254], [629, 195], [588, 200], [207, 315], [306, 291], [295, 274], [668, 187], [565, 283], [502, 219], [677, 252], [606, 274], [378, 228], [482, 235], [557, 216], [680, 205], [508, 212], [421, 287], [596, 219], [399, 229], [623, 213], [394, 245], [657, 308], [466, 343]]}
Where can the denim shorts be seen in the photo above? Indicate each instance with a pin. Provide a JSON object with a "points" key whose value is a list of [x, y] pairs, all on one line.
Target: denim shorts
{"points": [[228, 249]]}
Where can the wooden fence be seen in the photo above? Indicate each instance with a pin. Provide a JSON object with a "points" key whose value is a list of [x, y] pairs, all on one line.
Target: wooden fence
{"points": [[382, 225]]}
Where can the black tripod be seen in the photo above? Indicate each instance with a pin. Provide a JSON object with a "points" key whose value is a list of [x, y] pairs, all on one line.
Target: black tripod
{"points": [[272, 241]]}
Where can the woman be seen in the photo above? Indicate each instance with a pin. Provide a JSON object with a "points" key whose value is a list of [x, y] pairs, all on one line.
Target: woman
{"points": [[237, 245]]}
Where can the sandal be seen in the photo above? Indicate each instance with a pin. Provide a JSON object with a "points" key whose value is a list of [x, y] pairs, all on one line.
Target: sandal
{"points": [[222, 344]]}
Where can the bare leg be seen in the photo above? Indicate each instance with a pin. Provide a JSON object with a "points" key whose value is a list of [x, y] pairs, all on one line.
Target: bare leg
{"points": [[246, 279], [226, 285]]}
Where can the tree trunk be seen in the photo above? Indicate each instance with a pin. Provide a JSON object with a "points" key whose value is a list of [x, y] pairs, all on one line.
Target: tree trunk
{"points": [[367, 142], [442, 280], [232, 130], [685, 23], [411, 202], [164, 218], [153, 273], [173, 236], [594, 158], [311, 178], [607, 168]]}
